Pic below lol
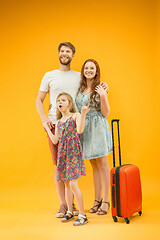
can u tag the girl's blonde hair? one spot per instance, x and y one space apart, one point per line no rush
72 107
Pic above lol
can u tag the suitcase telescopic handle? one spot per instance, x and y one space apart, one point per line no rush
119 147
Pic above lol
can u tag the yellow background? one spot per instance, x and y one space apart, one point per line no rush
123 36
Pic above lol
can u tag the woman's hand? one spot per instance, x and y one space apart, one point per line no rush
105 86
85 109
100 90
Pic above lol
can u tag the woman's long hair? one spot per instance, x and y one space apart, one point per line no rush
95 82
72 106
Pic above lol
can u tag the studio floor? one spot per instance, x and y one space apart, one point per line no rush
29 214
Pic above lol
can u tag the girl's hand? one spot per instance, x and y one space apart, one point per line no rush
100 90
49 124
45 125
85 109
105 86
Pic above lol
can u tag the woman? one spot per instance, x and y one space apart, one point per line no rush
96 139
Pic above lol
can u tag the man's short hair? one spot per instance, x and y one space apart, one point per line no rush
67 44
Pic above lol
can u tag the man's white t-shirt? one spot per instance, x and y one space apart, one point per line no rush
57 81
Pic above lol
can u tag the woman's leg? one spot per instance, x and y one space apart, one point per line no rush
104 171
97 185
78 195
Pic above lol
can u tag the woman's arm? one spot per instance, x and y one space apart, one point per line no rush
80 118
105 86
105 108
54 138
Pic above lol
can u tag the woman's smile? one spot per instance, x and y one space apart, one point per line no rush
90 70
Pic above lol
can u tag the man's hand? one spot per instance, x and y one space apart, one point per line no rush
50 106
105 86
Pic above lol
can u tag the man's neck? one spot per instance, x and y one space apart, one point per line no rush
64 68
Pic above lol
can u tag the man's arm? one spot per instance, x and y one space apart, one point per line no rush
39 105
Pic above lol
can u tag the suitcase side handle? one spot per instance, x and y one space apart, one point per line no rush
119 147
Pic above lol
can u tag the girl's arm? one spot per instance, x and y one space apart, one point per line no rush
105 108
54 138
80 118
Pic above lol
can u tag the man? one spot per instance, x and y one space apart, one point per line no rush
54 82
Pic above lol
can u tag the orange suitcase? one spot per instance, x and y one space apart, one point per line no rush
126 194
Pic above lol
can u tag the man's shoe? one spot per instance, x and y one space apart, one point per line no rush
62 211
75 211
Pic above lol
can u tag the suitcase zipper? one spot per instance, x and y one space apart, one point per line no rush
118 203
118 192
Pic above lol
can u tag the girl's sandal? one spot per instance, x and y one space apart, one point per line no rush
81 220
69 216
101 211
95 208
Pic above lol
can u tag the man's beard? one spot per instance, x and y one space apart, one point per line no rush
66 62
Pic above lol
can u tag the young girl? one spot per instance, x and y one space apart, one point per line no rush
70 163
96 138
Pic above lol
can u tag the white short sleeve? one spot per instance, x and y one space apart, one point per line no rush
44 87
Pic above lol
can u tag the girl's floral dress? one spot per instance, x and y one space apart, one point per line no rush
70 163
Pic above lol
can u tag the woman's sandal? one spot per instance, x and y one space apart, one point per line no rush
101 211
81 220
69 216
95 208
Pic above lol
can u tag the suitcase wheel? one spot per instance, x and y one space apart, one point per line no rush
115 219
127 220
140 213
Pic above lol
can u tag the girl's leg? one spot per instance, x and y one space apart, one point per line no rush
104 171
69 198
60 188
69 195
78 195
97 185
